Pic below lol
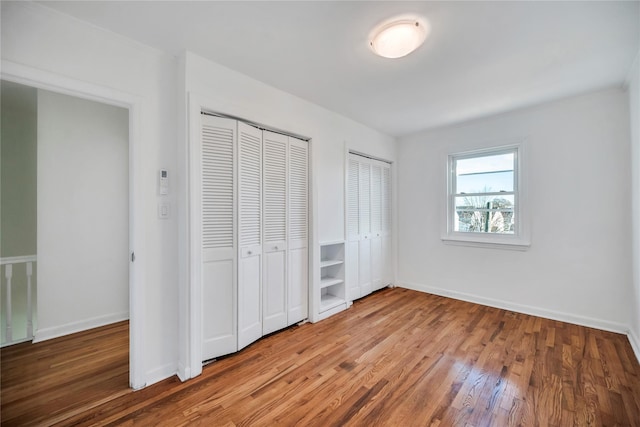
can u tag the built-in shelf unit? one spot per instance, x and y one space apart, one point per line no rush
332 285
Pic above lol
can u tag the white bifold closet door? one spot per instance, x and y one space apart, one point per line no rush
298 231
254 205
381 269
364 246
376 225
275 148
353 228
219 292
285 247
387 269
250 234
368 226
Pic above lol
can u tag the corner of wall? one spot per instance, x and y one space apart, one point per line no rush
183 373
633 71
161 373
632 84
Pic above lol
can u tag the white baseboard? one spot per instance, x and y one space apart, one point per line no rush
79 326
590 322
161 373
183 372
635 343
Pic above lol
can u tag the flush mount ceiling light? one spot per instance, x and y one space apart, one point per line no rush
399 37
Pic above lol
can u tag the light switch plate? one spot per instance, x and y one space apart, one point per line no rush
164 210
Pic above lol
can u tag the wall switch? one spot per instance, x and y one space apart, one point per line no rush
164 210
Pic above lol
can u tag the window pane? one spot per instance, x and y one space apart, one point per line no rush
487 174
497 222
485 214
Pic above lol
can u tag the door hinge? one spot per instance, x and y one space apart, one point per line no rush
133 256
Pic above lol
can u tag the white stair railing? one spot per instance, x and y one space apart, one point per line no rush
9 264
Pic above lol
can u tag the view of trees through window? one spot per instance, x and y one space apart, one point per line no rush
484 193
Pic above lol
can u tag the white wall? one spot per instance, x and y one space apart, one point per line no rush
634 110
37 37
229 92
83 214
238 95
578 267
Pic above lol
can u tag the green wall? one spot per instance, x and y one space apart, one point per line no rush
18 169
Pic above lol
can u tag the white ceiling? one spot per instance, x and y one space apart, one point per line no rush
481 58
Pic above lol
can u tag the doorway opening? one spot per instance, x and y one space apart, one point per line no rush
124 109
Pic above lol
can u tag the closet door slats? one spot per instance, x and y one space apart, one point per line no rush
365 197
217 187
386 199
376 198
353 213
298 190
250 186
275 188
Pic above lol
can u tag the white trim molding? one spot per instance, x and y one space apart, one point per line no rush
191 365
18 259
82 325
22 74
163 372
590 322
635 343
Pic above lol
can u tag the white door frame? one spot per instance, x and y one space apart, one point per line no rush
190 364
40 79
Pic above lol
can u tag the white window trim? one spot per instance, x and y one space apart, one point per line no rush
520 240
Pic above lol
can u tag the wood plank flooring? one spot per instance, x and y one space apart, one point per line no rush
396 358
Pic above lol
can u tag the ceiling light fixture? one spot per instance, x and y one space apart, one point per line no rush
398 38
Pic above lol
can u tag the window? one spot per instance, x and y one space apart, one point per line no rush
484 198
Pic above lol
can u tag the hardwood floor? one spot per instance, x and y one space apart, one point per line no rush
50 381
396 358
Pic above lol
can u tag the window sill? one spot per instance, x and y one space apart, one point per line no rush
490 242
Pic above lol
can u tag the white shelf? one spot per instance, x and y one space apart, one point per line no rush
332 279
330 262
329 301
325 282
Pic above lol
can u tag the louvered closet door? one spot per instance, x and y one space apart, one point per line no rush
250 234
353 227
387 270
364 251
376 224
298 231
274 187
219 299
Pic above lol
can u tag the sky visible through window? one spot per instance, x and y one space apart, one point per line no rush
485 174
